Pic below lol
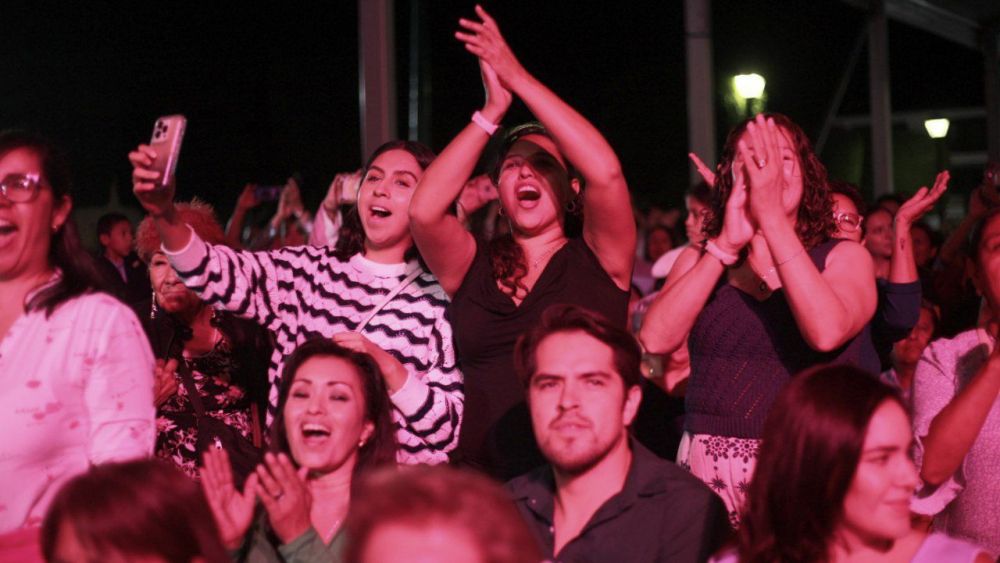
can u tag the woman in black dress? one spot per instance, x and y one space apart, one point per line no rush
499 288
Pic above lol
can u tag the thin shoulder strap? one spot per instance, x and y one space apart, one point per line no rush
389 297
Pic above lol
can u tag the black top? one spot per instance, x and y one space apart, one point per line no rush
897 313
496 433
135 290
662 513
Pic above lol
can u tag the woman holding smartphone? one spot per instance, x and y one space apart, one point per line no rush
499 288
369 293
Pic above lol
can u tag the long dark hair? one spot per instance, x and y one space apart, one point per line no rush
351 237
506 256
815 223
135 508
380 449
79 275
809 453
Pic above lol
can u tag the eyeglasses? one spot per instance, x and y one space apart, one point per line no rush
848 222
19 188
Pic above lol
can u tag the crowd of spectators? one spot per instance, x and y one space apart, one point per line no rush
490 354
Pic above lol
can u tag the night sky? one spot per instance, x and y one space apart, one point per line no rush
268 91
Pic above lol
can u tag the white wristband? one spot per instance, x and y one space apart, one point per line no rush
726 258
484 123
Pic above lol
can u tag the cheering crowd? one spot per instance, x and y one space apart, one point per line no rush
446 363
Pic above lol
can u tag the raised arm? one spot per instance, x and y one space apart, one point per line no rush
157 200
244 203
693 278
609 228
832 306
443 241
955 428
244 283
903 267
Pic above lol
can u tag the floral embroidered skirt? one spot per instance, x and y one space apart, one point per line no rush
723 463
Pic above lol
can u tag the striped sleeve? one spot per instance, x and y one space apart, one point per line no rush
248 284
431 402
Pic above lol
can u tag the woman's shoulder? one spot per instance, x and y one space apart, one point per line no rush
942 548
95 303
948 350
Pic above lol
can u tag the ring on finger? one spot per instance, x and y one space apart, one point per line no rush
761 162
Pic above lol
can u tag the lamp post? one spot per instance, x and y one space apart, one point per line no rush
937 129
749 87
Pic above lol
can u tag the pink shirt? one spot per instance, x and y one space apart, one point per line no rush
76 389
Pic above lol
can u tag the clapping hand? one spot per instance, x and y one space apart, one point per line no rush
706 173
921 202
248 198
764 168
737 229
164 380
484 40
232 510
285 495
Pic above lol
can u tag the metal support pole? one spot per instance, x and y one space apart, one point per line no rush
881 110
377 84
838 95
700 93
419 111
991 78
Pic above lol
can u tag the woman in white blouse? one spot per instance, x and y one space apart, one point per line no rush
76 372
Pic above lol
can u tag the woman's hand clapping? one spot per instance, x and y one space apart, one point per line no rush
764 168
737 229
164 380
233 511
920 203
285 495
484 40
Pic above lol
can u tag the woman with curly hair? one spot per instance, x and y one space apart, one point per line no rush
210 364
500 288
767 295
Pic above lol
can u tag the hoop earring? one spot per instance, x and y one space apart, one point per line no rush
501 212
572 206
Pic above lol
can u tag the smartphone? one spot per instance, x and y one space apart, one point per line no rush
168 133
267 193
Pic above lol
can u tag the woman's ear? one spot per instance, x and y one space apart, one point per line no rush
575 185
366 433
60 212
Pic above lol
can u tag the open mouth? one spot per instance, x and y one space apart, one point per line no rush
6 228
528 193
313 433
379 212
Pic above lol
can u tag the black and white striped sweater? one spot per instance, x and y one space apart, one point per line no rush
304 292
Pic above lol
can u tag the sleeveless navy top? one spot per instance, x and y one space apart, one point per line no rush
743 351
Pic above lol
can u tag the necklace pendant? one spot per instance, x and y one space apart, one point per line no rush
763 286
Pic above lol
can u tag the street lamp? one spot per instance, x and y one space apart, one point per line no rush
937 128
749 86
